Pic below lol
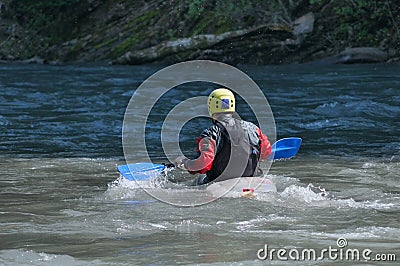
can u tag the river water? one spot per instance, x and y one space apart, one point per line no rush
62 202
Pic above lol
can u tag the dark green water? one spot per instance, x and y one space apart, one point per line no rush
60 142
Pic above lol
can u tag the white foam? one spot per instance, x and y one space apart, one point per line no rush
28 257
367 232
297 195
302 194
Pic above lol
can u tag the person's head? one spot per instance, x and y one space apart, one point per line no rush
221 101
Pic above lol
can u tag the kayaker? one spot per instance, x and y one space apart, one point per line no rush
214 159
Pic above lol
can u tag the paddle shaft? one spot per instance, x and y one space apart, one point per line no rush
282 149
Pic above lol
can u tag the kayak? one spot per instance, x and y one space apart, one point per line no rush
145 172
247 187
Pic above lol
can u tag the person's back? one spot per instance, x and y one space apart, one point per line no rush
231 147
237 148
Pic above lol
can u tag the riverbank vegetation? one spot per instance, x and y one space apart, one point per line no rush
260 32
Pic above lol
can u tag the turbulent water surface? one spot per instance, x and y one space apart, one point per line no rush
63 203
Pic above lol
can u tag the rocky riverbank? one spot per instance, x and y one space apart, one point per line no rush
247 32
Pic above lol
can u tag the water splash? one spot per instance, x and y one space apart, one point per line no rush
318 190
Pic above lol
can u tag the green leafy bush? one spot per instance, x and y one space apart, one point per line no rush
364 22
56 17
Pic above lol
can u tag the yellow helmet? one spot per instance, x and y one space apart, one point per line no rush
221 101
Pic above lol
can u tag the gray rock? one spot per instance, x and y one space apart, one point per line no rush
304 24
195 44
361 55
34 60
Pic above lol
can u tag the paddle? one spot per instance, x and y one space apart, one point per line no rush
286 148
282 149
141 171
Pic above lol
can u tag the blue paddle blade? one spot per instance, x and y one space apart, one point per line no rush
286 148
140 171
